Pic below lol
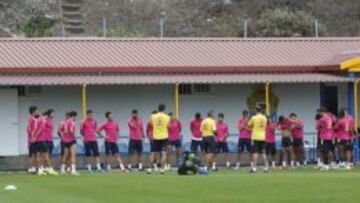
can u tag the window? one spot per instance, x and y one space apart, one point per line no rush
29 91
195 89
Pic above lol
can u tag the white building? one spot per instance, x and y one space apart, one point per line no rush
223 75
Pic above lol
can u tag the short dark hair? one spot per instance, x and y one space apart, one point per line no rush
198 115
323 110
107 114
342 113
161 107
134 111
73 113
293 115
36 115
281 119
258 109
154 112
210 114
32 109
318 116
170 113
89 112
49 112
221 115
245 112
67 114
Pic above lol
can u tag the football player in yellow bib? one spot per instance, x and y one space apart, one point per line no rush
258 124
160 123
208 131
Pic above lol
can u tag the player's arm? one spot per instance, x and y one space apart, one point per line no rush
99 130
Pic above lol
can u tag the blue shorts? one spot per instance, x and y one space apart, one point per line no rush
209 145
32 149
175 143
245 144
68 145
41 147
159 145
222 147
50 146
135 146
258 146
91 149
196 145
298 143
111 148
286 142
346 144
270 149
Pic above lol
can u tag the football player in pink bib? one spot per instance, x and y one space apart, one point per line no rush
271 141
111 128
344 129
325 126
31 142
222 133
88 130
175 128
297 126
69 142
136 135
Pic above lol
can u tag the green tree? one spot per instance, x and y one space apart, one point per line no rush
37 25
285 23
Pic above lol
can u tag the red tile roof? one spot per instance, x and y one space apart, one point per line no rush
174 55
117 79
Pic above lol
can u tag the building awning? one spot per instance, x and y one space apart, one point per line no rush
119 79
174 55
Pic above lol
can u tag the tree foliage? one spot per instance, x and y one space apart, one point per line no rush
37 25
285 23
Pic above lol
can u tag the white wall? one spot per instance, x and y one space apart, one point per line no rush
229 99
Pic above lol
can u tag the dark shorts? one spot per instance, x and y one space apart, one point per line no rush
68 145
245 145
270 149
298 143
41 147
135 146
175 143
50 146
159 145
258 146
32 149
209 145
346 144
222 147
326 146
286 142
91 149
196 145
111 148
318 144
62 148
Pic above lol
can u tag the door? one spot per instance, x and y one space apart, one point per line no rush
9 138
331 99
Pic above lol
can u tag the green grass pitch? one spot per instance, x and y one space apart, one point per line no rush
225 186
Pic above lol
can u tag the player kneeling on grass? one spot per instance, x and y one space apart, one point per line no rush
136 134
190 166
344 129
208 130
258 124
42 146
88 131
270 141
287 151
160 123
222 133
174 141
112 130
69 140
297 126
